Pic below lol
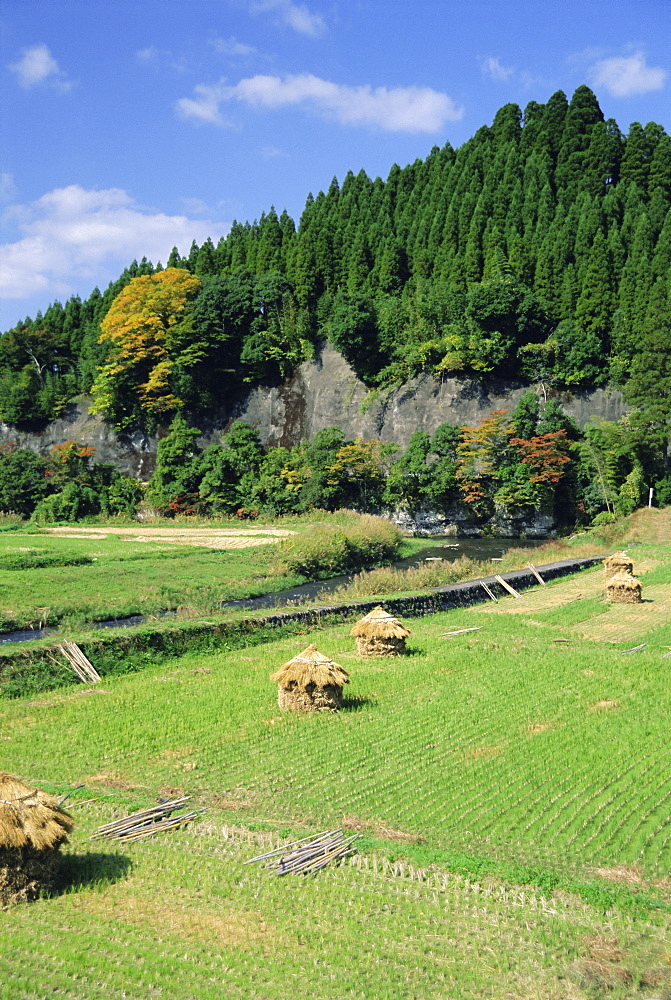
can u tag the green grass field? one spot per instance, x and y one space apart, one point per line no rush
49 579
126 578
512 786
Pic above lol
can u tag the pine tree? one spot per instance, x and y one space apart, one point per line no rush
594 309
602 158
551 128
660 167
582 116
651 367
661 261
206 260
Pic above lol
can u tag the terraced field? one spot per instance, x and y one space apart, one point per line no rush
512 786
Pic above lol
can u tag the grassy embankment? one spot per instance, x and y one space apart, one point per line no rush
512 785
387 580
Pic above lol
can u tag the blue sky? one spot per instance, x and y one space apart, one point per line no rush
129 126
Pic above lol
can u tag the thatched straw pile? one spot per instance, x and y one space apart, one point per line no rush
32 829
619 562
310 682
624 588
380 634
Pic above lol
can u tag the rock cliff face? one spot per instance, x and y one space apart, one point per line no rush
324 392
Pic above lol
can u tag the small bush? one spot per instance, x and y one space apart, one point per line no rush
387 580
10 521
330 551
71 504
605 517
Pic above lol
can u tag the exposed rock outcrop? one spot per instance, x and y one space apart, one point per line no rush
458 524
326 392
322 393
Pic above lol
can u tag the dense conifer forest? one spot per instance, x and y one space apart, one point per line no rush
540 250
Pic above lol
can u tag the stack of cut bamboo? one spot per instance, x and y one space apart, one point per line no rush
78 663
147 822
309 855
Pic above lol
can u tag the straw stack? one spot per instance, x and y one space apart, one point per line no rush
623 588
618 562
380 634
32 829
310 682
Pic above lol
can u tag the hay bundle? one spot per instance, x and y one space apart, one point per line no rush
310 682
32 829
624 588
618 562
380 634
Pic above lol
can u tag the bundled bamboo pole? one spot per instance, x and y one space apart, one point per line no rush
537 574
309 855
78 663
147 822
283 850
489 591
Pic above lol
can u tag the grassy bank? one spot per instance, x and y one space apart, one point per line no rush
387 580
511 785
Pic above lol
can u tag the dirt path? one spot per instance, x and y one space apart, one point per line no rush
211 538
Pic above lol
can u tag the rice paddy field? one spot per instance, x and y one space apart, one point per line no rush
77 574
80 577
511 785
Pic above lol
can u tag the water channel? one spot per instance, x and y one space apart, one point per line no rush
446 548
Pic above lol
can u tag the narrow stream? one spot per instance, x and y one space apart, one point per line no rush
446 548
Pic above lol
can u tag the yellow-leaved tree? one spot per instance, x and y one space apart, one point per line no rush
147 326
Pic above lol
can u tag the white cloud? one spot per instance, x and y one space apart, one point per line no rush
295 15
157 58
492 66
73 238
195 206
37 66
150 55
625 76
396 109
232 47
204 107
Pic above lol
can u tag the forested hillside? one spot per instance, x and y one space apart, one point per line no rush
539 249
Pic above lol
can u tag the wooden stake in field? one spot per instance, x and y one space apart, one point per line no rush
78 663
310 682
489 591
32 829
380 634
537 574
506 586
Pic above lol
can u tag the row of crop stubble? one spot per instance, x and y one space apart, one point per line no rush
501 743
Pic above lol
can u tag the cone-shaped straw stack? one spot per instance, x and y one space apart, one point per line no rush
32 829
623 588
380 634
310 682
